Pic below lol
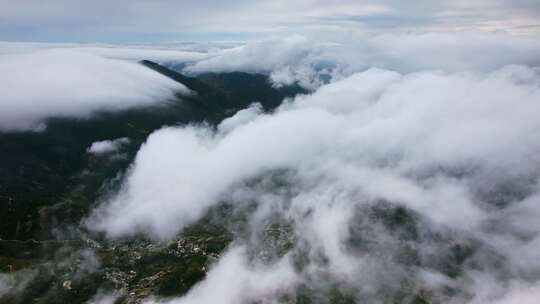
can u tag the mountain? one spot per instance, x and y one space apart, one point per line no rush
49 182
41 170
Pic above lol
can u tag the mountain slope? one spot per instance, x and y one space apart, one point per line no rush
41 169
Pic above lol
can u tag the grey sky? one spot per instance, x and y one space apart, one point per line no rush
168 20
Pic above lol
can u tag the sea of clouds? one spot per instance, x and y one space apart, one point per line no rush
440 129
453 143
311 63
44 80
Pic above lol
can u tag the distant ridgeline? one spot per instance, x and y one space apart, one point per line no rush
48 181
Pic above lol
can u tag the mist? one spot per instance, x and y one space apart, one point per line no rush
311 62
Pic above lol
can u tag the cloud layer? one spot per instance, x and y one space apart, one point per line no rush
456 150
137 20
243 283
311 63
107 146
69 83
437 132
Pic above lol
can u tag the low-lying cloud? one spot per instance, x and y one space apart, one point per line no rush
107 146
456 150
68 83
244 283
310 63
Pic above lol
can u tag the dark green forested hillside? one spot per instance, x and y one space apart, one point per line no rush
48 183
42 169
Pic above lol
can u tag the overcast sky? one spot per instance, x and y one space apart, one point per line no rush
139 21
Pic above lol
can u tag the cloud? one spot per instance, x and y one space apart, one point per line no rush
521 295
107 146
392 121
244 283
241 117
65 83
11 284
411 169
103 297
444 145
312 62
183 52
198 154
376 116
297 59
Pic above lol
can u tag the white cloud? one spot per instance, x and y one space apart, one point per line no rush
433 142
244 283
413 120
310 62
443 123
107 146
104 298
521 295
141 20
15 282
371 118
66 83
241 117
